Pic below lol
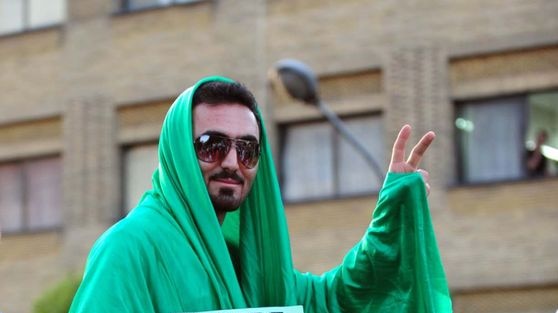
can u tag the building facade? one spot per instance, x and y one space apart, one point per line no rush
85 85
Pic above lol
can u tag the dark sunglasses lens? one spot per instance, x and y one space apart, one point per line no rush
211 148
248 153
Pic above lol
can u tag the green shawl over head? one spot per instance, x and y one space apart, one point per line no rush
259 226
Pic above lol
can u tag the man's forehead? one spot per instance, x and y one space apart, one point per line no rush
232 119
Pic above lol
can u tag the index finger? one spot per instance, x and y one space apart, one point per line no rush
398 151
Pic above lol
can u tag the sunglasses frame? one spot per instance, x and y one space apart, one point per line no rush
218 155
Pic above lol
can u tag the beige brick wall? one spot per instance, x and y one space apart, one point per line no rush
501 235
506 72
96 77
28 265
323 232
31 75
31 138
534 300
331 36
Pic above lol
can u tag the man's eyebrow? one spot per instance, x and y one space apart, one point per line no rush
215 133
218 133
249 138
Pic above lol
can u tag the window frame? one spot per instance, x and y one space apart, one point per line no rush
459 179
23 165
336 140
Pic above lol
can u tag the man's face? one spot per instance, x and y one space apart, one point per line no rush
228 181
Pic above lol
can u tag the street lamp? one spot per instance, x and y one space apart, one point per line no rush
301 84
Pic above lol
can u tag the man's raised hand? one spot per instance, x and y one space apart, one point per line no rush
398 164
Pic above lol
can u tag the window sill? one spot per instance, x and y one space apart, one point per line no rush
374 194
30 31
521 180
309 200
31 232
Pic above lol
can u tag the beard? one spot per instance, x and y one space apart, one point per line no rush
225 201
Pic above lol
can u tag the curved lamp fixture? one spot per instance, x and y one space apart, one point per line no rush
301 83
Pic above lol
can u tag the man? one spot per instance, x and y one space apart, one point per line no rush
536 162
212 233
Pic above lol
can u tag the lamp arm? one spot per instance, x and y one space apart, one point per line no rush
342 129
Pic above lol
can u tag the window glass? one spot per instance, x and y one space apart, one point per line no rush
44 190
11 197
131 5
20 15
319 163
46 12
139 164
140 4
355 174
490 136
308 162
11 16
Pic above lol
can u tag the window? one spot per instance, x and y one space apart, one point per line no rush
494 136
132 5
316 162
30 195
20 15
139 164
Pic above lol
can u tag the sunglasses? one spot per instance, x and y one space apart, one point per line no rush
212 148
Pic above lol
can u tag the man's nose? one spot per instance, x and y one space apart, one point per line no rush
230 161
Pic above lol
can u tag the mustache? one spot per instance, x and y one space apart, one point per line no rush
227 175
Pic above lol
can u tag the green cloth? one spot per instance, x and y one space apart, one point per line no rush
171 255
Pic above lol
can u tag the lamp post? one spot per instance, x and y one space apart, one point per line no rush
301 84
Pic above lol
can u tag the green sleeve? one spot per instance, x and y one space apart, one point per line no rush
395 267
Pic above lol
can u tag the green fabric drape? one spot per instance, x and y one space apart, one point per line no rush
171 255
395 267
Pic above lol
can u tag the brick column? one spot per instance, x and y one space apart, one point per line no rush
91 175
90 161
417 89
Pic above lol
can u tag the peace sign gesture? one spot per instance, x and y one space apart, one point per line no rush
398 164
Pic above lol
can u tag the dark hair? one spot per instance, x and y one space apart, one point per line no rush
224 92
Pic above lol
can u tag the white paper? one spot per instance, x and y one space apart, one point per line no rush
276 309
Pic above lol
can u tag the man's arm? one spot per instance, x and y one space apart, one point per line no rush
396 266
